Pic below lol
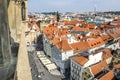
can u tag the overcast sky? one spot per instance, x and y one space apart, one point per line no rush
73 5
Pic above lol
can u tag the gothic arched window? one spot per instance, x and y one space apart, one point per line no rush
23 11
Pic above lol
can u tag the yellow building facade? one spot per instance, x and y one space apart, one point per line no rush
12 14
17 13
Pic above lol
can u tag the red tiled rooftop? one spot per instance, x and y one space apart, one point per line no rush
79 46
64 37
50 36
105 38
47 30
112 33
116 21
97 68
73 22
51 25
91 25
64 31
96 31
108 26
108 76
86 37
77 28
106 23
37 28
63 46
80 60
50 31
96 42
106 53
55 40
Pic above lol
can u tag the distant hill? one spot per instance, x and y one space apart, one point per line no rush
113 12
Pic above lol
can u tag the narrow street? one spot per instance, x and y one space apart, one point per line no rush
38 71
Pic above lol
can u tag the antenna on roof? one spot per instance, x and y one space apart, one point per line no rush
95 9
57 16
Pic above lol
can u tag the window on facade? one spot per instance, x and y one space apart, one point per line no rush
97 42
85 73
23 11
77 78
73 76
72 70
73 79
94 43
79 69
88 76
84 78
77 72
76 66
72 64
1 56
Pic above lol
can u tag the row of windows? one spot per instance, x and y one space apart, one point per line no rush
77 72
76 66
74 77
87 75
95 43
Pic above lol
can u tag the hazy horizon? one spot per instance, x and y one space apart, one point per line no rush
73 5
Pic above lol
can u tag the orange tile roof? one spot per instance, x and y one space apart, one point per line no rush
118 31
97 68
55 28
108 76
105 38
64 31
31 23
64 37
91 25
106 53
55 40
77 28
106 23
79 46
116 21
59 33
96 31
50 31
96 42
107 27
50 36
112 33
73 22
102 26
50 25
63 46
80 59
86 37
37 28
47 30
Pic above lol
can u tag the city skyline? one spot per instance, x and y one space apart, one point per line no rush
73 5
59 40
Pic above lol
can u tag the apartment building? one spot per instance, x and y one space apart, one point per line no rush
62 43
81 65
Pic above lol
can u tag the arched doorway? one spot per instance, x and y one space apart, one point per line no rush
23 11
